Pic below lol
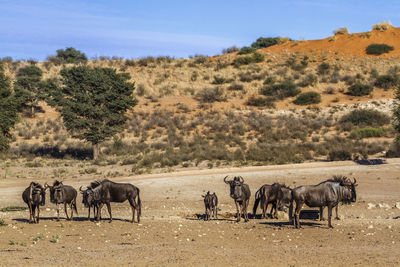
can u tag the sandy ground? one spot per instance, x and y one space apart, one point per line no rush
170 232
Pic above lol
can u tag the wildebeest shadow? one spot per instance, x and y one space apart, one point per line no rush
281 224
201 217
370 161
75 219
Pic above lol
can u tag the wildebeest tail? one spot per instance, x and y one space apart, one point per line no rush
257 198
74 205
139 202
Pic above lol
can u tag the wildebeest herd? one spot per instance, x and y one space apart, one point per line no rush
329 194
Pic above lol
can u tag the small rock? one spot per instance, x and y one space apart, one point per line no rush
397 205
371 205
370 226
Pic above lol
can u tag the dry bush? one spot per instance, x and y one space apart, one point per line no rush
383 26
342 30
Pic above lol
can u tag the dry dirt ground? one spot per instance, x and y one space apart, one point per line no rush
170 232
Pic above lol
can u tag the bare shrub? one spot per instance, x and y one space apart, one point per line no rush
342 30
383 26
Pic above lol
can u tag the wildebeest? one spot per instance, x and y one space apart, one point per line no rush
326 194
240 192
85 201
34 196
211 205
109 191
273 194
63 194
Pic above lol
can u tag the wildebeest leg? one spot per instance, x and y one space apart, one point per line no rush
265 207
246 215
88 217
65 209
321 214
275 206
215 212
330 216
336 209
299 205
30 211
38 212
72 210
99 211
58 211
134 206
109 210
262 208
237 211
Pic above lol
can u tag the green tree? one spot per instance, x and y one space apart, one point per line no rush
93 102
27 87
264 42
71 55
396 117
8 110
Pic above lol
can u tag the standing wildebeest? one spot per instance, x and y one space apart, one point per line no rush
269 194
211 205
34 196
109 191
240 192
328 193
63 194
85 201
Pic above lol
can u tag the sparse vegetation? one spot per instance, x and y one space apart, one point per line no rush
378 49
210 95
366 132
280 90
366 117
359 89
308 98
264 42
342 30
13 208
246 50
383 26
261 101
71 55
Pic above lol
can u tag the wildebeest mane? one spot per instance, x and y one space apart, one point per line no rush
336 179
57 183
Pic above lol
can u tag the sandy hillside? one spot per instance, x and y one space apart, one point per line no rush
353 44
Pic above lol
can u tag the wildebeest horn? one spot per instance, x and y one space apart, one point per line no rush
355 181
225 179
46 185
80 189
241 179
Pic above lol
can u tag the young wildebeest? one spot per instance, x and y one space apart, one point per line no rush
109 191
92 204
240 192
328 193
211 205
34 196
265 195
63 194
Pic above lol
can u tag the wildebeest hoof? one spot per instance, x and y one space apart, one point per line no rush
110 221
337 218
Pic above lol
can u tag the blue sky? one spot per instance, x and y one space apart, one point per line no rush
35 29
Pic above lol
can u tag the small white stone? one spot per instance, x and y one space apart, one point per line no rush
79 248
